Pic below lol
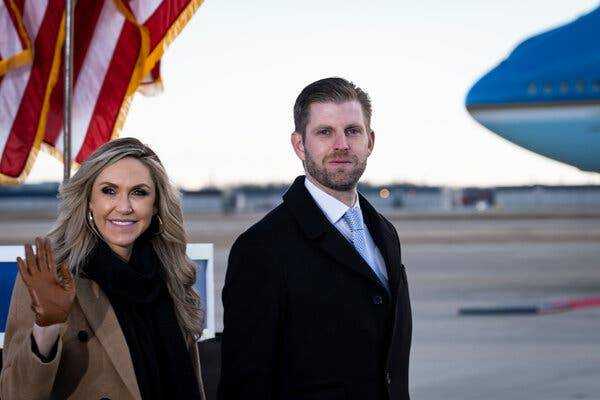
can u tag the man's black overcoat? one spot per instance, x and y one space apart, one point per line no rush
304 315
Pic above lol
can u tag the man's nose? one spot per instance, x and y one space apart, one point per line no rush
341 141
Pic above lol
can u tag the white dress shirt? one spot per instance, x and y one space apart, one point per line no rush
334 210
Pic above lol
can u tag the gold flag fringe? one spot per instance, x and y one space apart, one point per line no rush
146 61
41 129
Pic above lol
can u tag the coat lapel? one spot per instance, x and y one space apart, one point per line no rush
103 321
336 245
385 239
317 227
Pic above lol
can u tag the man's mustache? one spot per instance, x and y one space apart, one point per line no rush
341 155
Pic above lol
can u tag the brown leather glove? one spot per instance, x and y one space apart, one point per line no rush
52 290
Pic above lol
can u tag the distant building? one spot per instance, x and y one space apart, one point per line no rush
41 199
38 198
254 198
403 197
479 198
208 200
548 198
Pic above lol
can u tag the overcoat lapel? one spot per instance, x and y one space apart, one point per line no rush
102 319
336 245
317 227
385 240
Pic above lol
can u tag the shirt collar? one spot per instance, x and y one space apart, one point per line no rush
332 207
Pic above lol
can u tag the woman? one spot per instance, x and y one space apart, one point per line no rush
105 308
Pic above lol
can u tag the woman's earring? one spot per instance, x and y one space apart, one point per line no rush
91 225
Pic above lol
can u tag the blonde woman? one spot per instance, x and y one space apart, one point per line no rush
104 307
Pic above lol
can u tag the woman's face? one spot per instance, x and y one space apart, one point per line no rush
122 203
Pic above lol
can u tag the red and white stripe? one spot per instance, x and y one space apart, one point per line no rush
11 43
23 89
117 43
112 62
104 62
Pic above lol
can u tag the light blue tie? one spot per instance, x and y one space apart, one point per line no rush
353 218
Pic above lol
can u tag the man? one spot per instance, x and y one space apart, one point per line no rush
315 300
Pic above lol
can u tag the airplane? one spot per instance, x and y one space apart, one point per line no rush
545 96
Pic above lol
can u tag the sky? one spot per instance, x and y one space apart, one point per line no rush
233 74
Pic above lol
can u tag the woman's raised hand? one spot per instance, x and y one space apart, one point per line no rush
52 290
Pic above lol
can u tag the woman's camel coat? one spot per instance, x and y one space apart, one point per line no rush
92 360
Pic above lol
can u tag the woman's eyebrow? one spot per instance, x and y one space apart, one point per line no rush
138 185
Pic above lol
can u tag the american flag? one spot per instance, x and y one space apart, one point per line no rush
118 45
24 89
15 43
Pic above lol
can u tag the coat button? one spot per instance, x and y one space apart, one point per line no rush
377 299
83 336
388 378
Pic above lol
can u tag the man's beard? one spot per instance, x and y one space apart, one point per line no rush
338 180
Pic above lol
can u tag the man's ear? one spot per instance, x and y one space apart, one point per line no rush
371 135
298 145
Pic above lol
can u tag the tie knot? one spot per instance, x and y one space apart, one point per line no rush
354 219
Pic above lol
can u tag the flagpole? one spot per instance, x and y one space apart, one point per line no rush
68 98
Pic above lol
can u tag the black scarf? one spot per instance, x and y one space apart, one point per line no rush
144 309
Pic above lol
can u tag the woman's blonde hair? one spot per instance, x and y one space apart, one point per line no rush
73 237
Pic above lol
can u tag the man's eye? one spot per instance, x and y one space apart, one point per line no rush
352 131
108 190
323 131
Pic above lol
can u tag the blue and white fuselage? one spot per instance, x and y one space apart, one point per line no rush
545 96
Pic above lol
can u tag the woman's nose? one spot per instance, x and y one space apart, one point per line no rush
124 205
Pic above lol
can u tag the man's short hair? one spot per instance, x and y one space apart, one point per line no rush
336 90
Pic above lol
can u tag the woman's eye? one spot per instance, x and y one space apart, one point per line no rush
108 190
140 192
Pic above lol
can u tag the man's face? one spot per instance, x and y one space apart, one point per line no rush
336 145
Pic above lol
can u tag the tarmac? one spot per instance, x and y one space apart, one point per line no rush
471 261
554 356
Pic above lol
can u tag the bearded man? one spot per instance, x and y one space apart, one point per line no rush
316 301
